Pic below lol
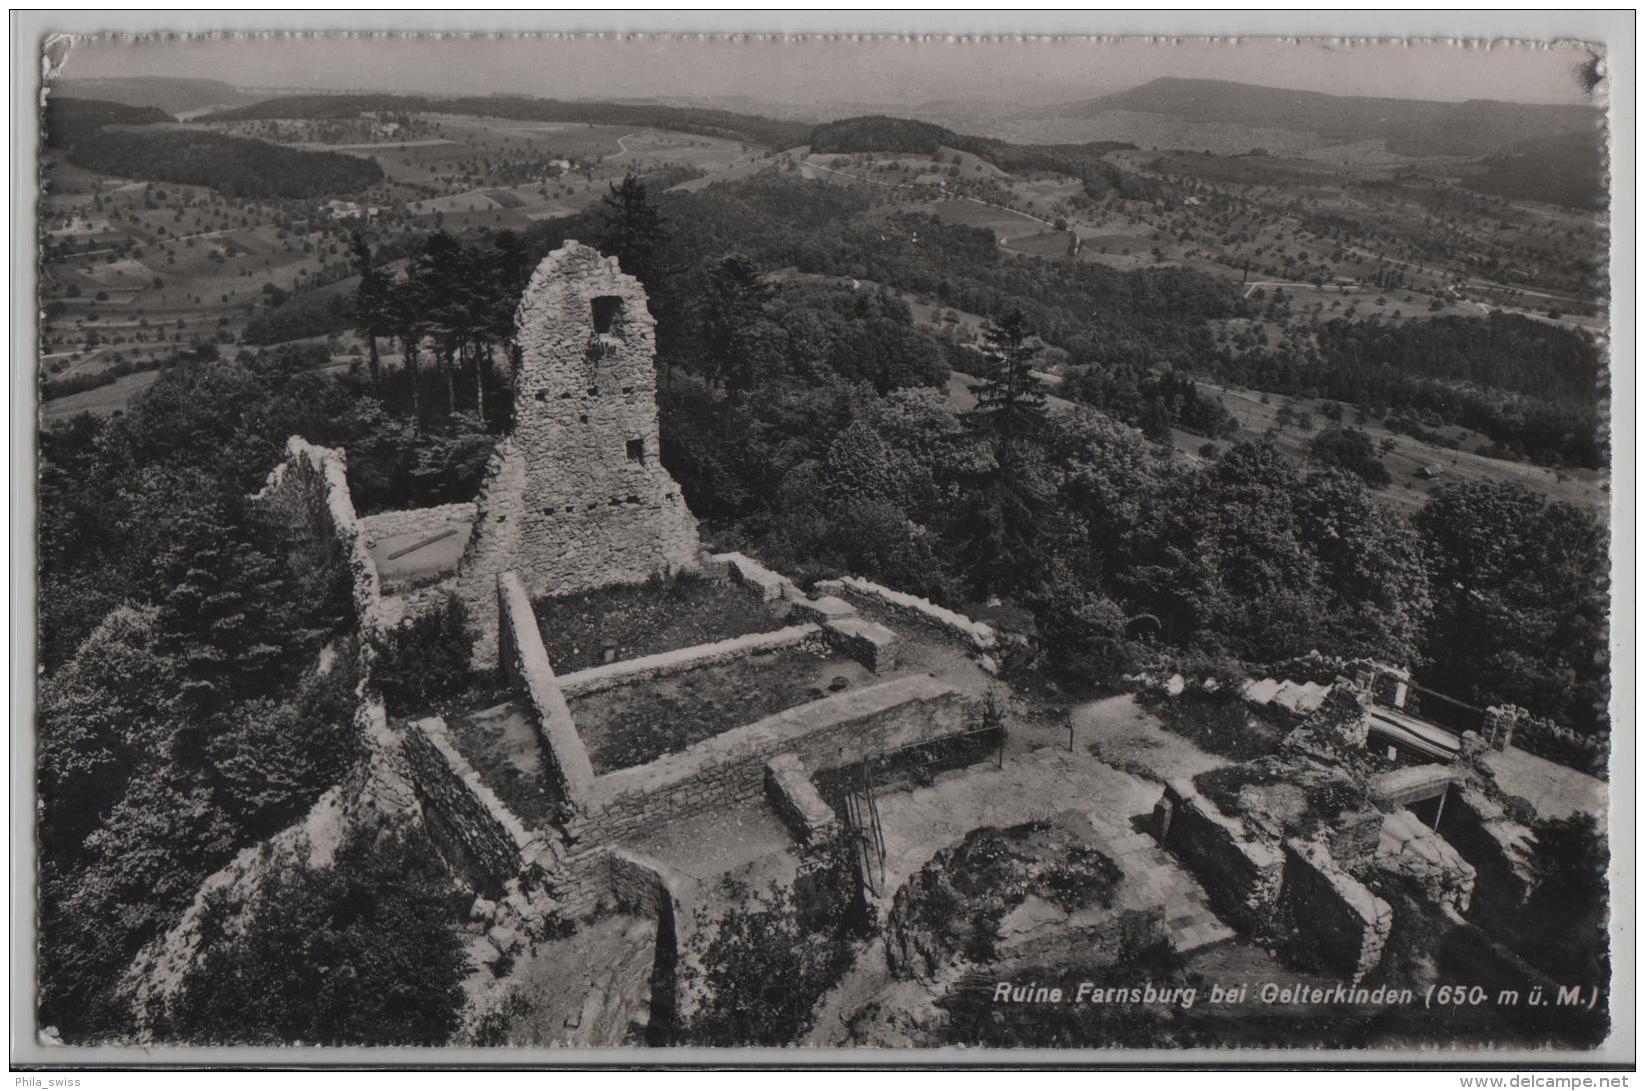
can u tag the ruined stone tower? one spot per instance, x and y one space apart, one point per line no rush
575 497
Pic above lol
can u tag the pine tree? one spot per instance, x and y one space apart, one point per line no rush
1011 399
371 303
737 297
634 230
1000 520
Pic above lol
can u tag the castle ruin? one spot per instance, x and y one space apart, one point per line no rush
576 497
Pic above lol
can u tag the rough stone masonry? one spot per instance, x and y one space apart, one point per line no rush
575 497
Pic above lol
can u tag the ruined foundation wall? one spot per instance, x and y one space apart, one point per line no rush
644 668
789 787
730 769
974 634
478 835
525 661
575 497
1334 914
1499 849
1242 877
1412 851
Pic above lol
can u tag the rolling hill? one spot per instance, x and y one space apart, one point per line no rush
1411 126
173 95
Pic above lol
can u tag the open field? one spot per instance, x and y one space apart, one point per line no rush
102 400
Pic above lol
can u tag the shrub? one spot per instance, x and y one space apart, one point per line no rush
424 661
365 950
775 954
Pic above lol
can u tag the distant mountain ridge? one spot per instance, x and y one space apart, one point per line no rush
174 95
1411 126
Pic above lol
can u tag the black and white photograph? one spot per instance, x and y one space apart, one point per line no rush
642 545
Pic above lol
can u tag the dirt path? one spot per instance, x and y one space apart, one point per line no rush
1122 733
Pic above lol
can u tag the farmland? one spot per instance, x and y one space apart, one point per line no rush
1309 231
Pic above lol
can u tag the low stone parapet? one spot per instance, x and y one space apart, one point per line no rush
730 768
977 635
629 671
746 571
823 609
475 831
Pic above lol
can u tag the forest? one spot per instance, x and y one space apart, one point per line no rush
184 714
1536 389
1082 161
703 122
87 132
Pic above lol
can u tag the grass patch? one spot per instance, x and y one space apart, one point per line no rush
1217 725
632 725
646 618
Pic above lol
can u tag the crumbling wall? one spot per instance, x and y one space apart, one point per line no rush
974 634
1344 924
478 835
764 583
310 489
644 668
525 661
1242 877
1412 851
868 642
632 804
789 787
576 497
1500 850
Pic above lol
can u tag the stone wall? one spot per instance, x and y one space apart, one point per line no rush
745 571
525 661
631 804
576 497
479 837
1500 850
1242 877
387 524
1344 924
310 490
789 787
868 642
1411 850
974 634
1509 725
629 671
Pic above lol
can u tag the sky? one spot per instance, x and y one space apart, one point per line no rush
797 71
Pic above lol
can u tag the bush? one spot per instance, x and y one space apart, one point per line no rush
424 661
363 951
1352 450
775 954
